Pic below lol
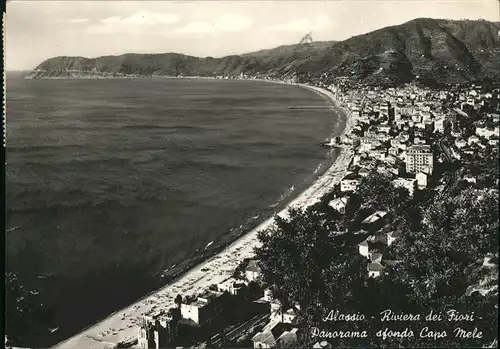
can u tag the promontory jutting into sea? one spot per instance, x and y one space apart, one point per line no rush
317 194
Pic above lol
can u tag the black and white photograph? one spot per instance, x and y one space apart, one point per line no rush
251 174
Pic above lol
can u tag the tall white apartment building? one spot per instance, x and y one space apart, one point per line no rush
419 158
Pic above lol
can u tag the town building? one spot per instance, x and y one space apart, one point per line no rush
407 183
375 257
349 182
280 335
450 118
473 140
487 133
391 237
339 204
204 308
456 131
158 331
375 217
439 125
375 269
275 311
419 158
393 151
364 248
378 154
289 315
470 179
321 345
421 180
460 143
384 128
268 295
231 286
363 172
418 140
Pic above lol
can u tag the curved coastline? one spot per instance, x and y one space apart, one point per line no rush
219 266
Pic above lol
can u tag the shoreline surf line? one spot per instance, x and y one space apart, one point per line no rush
193 280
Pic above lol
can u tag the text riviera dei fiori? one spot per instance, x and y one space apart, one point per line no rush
389 316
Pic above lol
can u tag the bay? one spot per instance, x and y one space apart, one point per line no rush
111 182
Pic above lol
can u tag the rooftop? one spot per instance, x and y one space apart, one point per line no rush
203 299
374 217
264 337
339 201
351 176
269 336
420 148
375 267
364 243
288 338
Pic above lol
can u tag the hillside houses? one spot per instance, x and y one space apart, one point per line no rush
375 269
373 249
277 335
419 158
157 331
279 331
392 127
421 180
350 182
374 220
396 130
232 286
339 204
487 133
409 184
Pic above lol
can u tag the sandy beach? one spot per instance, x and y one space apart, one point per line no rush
218 268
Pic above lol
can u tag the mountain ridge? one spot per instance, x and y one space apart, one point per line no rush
437 50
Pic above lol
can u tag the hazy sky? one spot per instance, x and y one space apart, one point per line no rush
37 30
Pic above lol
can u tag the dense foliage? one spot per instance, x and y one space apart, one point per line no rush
439 255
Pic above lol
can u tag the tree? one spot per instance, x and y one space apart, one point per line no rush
441 260
377 191
457 232
178 300
293 255
439 254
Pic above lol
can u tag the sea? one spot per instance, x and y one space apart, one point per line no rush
112 185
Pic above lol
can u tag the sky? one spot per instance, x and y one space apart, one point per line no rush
38 30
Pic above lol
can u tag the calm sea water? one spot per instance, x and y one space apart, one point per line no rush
110 182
